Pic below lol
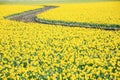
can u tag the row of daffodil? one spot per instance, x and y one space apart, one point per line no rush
31 51
97 13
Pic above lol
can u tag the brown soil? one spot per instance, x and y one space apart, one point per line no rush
29 16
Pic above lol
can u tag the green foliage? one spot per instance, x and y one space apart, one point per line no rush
80 24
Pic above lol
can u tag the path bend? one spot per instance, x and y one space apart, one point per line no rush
29 16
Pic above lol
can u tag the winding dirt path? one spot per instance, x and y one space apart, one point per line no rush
29 16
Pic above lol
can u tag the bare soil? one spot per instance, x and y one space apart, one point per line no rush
29 16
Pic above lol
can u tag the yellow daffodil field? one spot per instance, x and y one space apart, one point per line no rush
96 12
36 51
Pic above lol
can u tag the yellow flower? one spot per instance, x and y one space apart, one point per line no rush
31 49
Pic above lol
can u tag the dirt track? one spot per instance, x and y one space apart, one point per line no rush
29 16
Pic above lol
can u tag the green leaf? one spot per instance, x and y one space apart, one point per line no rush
59 70
25 64
10 79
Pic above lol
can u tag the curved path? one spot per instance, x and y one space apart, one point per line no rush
29 16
